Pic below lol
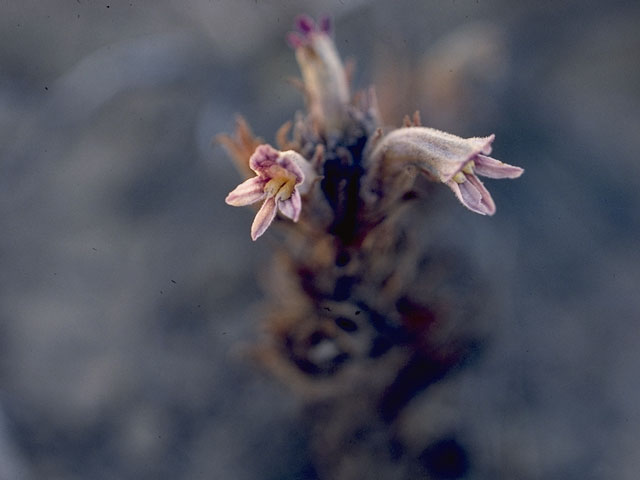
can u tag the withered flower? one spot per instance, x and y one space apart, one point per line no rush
279 182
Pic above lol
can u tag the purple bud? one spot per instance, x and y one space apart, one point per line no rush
305 24
325 24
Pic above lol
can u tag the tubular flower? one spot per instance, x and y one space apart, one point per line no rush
449 159
324 76
279 182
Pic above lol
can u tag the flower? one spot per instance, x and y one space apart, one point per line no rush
280 180
325 80
445 158
468 187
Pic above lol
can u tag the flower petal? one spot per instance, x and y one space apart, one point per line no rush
309 174
264 217
248 192
470 195
492 168
292 206
485 205
292 161
473 195
264 156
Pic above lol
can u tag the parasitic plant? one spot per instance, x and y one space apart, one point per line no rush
356 323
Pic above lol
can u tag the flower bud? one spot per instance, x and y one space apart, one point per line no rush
324 77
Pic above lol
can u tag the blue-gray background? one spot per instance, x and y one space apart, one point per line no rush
128 288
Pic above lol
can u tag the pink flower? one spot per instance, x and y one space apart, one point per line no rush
279 182
446 158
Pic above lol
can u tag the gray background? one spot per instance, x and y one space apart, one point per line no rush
128 289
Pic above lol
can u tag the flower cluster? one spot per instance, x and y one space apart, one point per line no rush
283 176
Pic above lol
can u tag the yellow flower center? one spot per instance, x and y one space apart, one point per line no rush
286 190
459 177
280 187
468 169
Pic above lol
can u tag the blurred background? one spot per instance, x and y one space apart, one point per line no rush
128 289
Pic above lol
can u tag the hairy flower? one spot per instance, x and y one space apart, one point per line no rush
324 77
279 182
445 158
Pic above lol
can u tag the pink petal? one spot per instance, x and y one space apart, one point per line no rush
286 160
292 206
485 206
263 219
492 168
473 195
264 156
248 192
